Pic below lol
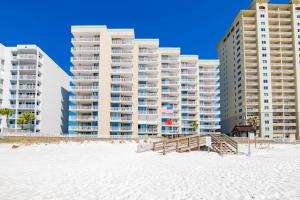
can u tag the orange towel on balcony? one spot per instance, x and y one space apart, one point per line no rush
168 122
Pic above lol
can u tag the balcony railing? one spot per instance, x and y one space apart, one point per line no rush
85 49
125 99
83 97
125 109
27 56
84 88
121 41
86 39
83 118
83 107
121 128
75 78
85 68
85 58
83 128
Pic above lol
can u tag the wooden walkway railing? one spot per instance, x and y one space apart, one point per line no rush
181 144
220 143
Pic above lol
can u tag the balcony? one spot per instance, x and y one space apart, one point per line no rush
148 68
148 103
122 42
121 89
121 51
81 68
86 39
83 118
26 56
24 77
84 49
142 94
121 80
121 60
147 60
121 109
147 51
83 108
83 98
83 128
170 132
121 99
165 74
27 107
85 78
169 59
122 71
119 118
170 67
84 88
23 97
148 112
85 58
148 131
121 128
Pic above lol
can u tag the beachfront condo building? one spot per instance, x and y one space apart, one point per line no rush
260 69
127 86
31 82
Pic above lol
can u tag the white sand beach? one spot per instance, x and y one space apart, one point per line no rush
99 170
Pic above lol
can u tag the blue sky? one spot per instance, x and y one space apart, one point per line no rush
194 25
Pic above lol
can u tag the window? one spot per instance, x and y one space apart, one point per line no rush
265 81
266 107
266 87
263 42
266 101
265 61
263 29
264 55
267 122
263 23
264 48
263 15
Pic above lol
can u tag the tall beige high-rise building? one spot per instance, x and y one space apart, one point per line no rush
260 69
128 86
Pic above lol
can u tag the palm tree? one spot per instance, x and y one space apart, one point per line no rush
253 122
27 118
8 113
21 122
195 126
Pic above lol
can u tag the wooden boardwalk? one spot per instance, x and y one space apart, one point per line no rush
181 144
220 143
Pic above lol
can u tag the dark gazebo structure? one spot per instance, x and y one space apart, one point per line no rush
242 130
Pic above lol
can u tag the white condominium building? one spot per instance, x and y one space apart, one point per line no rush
209 94
31 82
260 69
127 86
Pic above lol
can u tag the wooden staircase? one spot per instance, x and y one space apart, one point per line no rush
223 144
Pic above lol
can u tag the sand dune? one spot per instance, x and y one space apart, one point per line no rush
103 171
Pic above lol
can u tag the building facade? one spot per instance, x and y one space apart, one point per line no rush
127 86
259 69
31 82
